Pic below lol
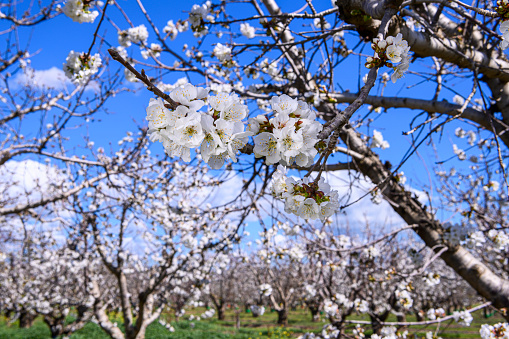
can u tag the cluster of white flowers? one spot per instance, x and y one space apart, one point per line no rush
257 310
270 68
378 140
247 30
497 331
137 35
388 52
459 152
321 23
361 306
404 299
223 53
329 331
458 100
401 178
491 186
342 300
294 253
219 133
371 252
173 29
330 308
265 290
79 11
431 279
309 291
461 133
305 198
155 50
79 67
462 317
358 331
290 136
197 18
475 239
499 238
390 332
433 314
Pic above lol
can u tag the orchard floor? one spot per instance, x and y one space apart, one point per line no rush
261 327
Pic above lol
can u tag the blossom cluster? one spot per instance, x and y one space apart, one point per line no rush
247 30
388 52
290 136
305 198
432 279
173 29
219 133
265 290
137 35
224 54
390 332
79 11
378 141
403 298
497 331
433 314
79 67
462 317
197 18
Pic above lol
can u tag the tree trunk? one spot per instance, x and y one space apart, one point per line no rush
221 312
282 317
237 318
26 319
56 325
315 313
476 273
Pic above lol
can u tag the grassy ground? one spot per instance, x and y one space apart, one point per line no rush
251 328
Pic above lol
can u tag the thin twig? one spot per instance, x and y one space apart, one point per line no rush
143 77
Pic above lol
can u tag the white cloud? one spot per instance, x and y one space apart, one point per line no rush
27 181
48 78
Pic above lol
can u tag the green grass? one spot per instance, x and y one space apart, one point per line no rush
251 328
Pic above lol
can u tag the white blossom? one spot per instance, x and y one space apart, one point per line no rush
222 52
79 11
247 30
79 67
137 35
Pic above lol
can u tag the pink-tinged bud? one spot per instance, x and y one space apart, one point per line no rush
369 59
